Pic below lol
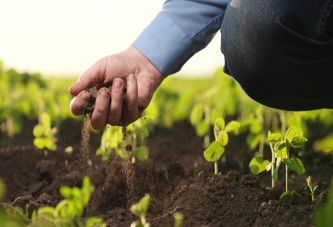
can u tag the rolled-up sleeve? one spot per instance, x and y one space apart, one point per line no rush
180 29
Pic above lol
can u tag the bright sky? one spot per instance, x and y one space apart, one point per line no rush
65 37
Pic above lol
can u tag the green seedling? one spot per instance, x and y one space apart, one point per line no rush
280 154
125 142
45 135
178 219
310 188
112 140
140 210
214 152
136 134
69 211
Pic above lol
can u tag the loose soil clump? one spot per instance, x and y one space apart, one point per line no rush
177 178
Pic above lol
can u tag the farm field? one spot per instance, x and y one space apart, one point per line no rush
175 173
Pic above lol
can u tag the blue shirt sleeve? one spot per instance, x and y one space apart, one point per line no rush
180 29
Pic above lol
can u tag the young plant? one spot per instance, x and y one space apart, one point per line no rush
112 140
45 135
310 188
216 149
178 219
140 210
280 153
125 142
70 210
136 134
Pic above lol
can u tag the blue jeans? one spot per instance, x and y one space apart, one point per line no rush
281 51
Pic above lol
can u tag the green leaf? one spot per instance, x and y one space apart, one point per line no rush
40 142
223 138
280 145
46 212
252 140
232 126
197 114
258 165
38 130
295 164
141 153
274 137
255 127
297 141
276 170
220 123
292 132
95 222
214 151
202 128
140 208
46 120
282 153
325 145
66 192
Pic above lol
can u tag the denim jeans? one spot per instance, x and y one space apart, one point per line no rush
281 51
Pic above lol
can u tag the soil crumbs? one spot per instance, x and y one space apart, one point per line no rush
177 178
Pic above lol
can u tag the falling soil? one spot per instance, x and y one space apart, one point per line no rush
85 142
176 176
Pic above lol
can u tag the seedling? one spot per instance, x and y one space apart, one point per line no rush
45 135
178 219
140 210
214 152
125 142
136 133
280 153
310 188
70 210
112 140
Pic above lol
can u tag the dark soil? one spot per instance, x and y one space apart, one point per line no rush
176 176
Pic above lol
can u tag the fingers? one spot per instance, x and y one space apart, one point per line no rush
100 114
131 99
78 102
116 107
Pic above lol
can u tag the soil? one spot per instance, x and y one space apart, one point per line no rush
176 176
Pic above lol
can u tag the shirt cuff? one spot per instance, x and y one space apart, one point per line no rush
165 45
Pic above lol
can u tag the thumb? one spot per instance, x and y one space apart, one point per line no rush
88 79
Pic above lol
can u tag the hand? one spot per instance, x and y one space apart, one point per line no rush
143 79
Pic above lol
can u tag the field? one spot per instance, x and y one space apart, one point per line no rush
176 129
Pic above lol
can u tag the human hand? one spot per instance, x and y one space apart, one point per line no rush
142 80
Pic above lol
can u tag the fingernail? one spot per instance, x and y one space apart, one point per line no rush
85 97
104 93
117 84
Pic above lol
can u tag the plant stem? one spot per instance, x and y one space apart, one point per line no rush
216 168
261 145
273 164
283 122
207 121
287 156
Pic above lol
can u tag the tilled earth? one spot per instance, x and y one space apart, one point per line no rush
176 176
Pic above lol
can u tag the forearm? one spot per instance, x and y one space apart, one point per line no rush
180 29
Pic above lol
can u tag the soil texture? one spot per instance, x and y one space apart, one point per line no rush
176 176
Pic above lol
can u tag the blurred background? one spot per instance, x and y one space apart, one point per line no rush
65 37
